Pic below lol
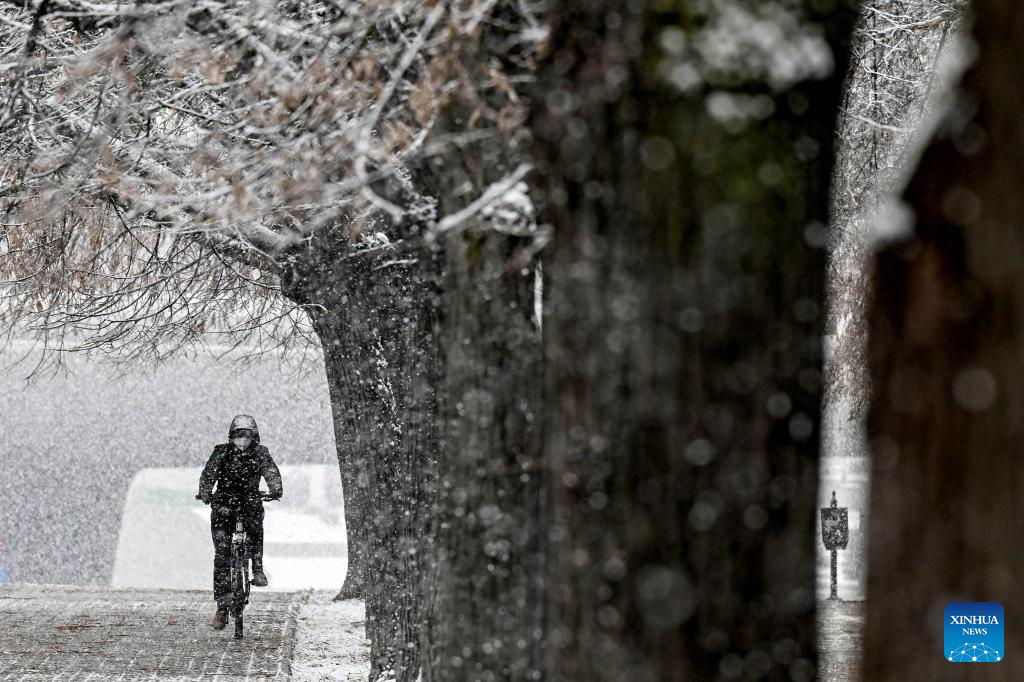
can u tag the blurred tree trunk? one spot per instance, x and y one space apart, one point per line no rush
374 314
685 343
946 424
485 581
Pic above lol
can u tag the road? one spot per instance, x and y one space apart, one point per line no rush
94 633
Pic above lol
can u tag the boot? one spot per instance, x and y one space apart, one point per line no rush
259 578
220 619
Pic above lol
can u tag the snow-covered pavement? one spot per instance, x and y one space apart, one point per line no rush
78 633
331 643
94 633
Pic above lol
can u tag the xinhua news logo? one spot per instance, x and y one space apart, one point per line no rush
974 632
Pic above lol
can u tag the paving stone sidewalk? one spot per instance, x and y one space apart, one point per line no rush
94 633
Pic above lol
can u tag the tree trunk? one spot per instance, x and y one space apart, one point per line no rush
485 582
946 424
375 319
486 578
349 413
684 343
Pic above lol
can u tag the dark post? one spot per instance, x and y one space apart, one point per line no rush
834 593
835 533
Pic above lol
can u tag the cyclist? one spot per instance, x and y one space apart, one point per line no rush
235 468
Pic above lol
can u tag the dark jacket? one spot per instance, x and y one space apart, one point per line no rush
237 473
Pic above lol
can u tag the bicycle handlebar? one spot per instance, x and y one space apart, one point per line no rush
265 496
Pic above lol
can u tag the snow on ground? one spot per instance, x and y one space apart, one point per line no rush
73 633
331 642
68 632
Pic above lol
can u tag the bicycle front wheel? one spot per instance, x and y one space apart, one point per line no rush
239 590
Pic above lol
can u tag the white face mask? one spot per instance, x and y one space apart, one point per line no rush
242 442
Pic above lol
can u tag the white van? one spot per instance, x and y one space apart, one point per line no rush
165 542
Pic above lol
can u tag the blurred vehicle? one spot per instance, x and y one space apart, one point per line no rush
164 539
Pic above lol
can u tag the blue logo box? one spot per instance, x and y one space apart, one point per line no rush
973 632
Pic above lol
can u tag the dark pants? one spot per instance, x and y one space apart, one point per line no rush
222 525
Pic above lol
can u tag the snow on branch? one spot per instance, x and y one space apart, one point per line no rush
493 193
162 164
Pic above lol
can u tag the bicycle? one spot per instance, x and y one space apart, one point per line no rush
240 555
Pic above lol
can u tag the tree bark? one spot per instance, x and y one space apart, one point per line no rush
685 333
485 581
946 424
486 576
375 318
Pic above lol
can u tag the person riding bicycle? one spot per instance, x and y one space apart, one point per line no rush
235 468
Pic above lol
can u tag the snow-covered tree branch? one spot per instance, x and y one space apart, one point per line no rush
194 149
